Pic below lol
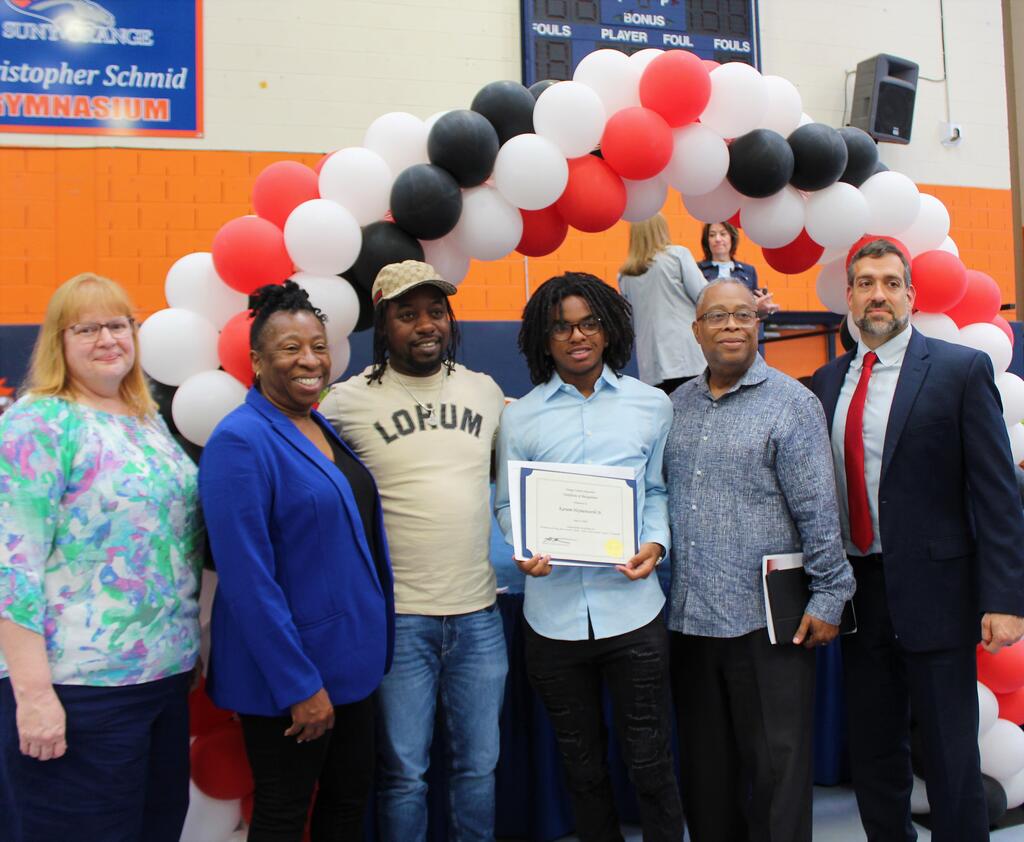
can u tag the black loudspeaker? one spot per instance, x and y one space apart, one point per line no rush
883 98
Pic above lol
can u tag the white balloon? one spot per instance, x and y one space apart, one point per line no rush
831 286
193 284
644 198
988 709
174 344
990 339
894 201
837 216
611 75
450 263
399 138
738 101
929 229
1014 789
833 254
1002 750
949 245
776 220
335 298
721 203
489 227
209 819
202 401
700 160
806 119
359 180
1016 434
1011 392
936 326
322 237
571 116
341 356
851 326
783 107
530 171
642 58
919 797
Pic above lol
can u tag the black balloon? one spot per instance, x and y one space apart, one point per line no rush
862 155
760 163
537 88
995 798
425 201
465 144
880 167
819 156
508 106
365 319
383 243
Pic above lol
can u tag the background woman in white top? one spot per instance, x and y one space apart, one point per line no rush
661 282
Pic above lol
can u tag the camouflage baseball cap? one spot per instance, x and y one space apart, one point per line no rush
396 279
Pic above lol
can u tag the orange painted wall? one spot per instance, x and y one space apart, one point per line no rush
130 213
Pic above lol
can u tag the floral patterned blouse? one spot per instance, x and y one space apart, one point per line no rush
100 541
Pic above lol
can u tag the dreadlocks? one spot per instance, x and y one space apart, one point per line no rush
380 341
611 308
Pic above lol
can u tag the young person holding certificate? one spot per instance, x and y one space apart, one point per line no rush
585 624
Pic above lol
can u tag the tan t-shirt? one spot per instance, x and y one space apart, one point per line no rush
434 482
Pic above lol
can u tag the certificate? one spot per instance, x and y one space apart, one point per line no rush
581 515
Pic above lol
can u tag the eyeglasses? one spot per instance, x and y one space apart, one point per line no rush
90 331
562 331
719 318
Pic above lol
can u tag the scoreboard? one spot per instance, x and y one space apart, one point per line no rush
557 34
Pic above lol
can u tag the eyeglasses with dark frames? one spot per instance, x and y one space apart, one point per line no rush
562 331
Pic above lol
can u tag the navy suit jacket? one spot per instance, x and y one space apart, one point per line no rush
740 271
951 524
301 603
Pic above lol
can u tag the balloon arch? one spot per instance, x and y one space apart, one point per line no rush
513 173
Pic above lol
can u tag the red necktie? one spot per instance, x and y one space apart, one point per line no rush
861 531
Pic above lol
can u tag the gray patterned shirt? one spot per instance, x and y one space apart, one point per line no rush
749 474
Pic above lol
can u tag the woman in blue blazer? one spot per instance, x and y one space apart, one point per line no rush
303 616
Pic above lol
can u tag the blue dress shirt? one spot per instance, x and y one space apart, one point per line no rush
881 388
623 423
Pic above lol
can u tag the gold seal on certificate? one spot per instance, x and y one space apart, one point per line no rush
581 515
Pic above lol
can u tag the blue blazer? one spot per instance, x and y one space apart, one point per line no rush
301 603
740 271
951 524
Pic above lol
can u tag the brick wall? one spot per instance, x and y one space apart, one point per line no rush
130 213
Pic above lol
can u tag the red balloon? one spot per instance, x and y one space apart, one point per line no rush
980 302
734 220
595 196
247 805
677 85
543 231
1011 706
249 252
940 279
1004 671
281 188
220 767
1004 326
203 714
319 165
233 348
795 257
867 238
637 143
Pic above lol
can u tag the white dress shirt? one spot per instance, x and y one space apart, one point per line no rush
881 388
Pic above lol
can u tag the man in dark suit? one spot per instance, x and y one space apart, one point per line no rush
935 533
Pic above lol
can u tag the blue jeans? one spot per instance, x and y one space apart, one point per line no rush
463 661
125 774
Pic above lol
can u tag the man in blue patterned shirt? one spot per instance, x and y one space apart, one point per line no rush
749 474
587 625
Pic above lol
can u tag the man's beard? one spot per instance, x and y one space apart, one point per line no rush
876 328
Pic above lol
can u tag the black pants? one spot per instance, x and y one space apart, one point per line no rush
567 674
745 737
885 684
285 773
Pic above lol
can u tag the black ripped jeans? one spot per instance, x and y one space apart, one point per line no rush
567 674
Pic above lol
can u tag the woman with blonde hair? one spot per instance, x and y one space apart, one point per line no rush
100 555
661 282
